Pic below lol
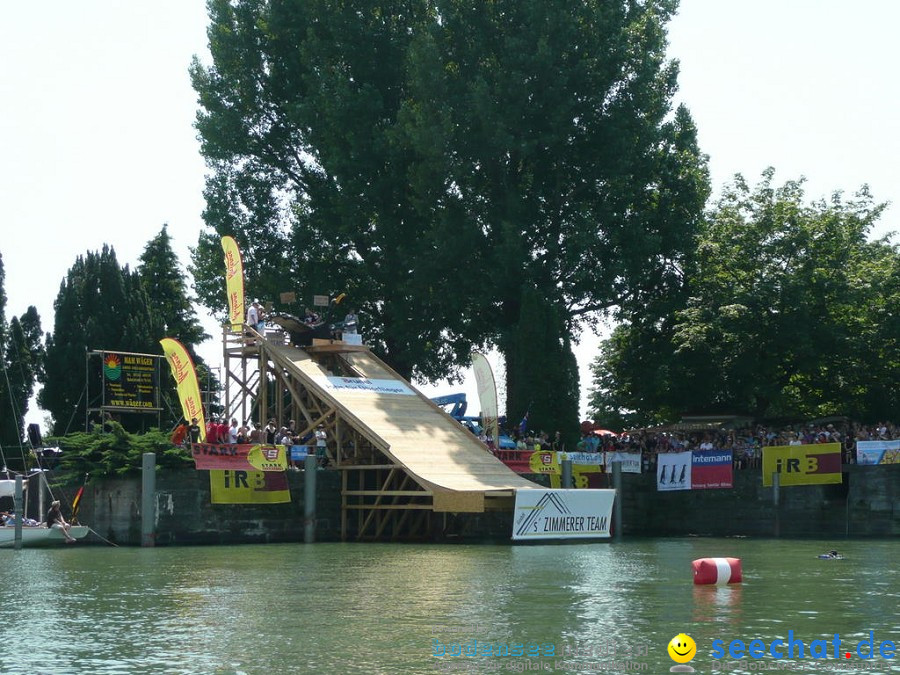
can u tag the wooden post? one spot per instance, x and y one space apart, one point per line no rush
18 501
310 466
148 499
776 500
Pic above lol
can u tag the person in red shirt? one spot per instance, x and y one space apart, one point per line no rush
180 433
212 431
224 431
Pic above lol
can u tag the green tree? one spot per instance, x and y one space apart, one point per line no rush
170 302
173 309
785 312
23 365
100 306
439 161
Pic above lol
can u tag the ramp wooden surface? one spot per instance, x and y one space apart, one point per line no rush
436 450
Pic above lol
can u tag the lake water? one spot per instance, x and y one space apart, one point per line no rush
378 608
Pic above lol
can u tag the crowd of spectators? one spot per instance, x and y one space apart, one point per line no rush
745 444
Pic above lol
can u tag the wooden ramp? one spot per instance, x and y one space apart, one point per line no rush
438 453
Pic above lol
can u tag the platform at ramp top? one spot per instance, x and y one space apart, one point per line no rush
433 448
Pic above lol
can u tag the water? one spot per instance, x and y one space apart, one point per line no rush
377 608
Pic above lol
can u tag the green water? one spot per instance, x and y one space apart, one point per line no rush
359 608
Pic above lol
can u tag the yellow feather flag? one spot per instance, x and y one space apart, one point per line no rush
234 282
185 375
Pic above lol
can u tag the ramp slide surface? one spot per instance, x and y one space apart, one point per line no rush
433 447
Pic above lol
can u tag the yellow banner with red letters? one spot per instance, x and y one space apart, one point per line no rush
815 464
185 375
234 282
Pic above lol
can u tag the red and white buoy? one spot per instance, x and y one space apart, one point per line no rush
717 571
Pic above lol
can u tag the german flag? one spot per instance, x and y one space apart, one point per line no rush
76 502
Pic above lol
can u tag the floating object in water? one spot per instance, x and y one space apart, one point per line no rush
717 571
833 555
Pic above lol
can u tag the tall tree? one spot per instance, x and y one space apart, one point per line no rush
100 306
23 365
787 311
441 161
161 276
173 308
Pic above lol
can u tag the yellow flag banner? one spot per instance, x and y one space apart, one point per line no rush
185 375
234 282
248 487
802 464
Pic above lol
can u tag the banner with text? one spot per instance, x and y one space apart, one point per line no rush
631 461
248 487
234 282
802 464
186 383
878 452
562 514
587 467
711 469
240 457
130 381
363 385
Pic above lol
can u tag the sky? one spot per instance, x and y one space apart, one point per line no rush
97 143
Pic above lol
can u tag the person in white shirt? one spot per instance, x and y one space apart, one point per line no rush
321 442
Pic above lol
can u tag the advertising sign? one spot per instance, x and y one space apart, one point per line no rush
878 452
130 381
802 464
240 457
711 469
562 514
248 487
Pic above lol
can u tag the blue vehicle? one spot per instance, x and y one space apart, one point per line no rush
473 424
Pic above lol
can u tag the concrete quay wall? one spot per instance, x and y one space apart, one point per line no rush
867 504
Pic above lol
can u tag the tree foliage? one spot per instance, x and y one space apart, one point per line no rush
170 301
100 306
112 453
22 351
786 311
443 161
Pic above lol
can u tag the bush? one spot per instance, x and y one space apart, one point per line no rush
114 453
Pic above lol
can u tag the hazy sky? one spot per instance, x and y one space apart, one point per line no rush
97 144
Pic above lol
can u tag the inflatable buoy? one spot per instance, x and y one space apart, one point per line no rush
717 571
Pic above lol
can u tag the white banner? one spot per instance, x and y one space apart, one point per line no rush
562 514
595 458
631 461
363 385
878 452
673 471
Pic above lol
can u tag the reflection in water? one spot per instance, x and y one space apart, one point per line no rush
344 608
718 603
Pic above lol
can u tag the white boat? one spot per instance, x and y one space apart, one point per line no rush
40 535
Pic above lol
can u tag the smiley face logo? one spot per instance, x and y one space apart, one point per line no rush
682 648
